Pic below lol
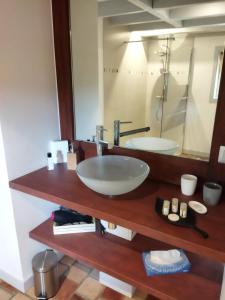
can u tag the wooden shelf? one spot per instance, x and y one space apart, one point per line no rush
123 260
134 210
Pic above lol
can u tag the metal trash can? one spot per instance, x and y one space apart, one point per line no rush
46 275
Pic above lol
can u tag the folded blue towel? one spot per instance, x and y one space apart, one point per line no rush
152 268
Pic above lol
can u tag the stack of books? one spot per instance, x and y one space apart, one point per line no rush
66 221
77 227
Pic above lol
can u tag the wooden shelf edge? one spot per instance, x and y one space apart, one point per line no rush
104 253
150 232
135 210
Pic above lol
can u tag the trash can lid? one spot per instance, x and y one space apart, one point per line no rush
44 261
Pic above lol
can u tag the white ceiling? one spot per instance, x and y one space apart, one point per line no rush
163 14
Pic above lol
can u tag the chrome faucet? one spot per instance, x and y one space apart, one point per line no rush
117 131
118 134
100 143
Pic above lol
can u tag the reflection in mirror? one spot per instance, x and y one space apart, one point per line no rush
219 54
166 82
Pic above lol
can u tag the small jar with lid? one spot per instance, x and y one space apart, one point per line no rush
175 205
183 210
166 207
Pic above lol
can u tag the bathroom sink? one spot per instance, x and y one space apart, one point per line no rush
153 144
112 174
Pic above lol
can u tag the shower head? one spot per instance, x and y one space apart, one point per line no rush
163 51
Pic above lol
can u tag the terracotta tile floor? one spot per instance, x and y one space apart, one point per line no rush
80 283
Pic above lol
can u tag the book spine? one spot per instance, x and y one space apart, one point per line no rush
73 229
74 226
57 232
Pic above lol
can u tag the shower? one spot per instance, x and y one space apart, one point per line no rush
162 51
164 54
174 75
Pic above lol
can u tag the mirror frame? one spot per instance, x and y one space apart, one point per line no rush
206 170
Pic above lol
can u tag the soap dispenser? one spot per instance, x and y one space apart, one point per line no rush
71 158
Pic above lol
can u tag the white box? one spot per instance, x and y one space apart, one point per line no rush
119 231
116 284
59 150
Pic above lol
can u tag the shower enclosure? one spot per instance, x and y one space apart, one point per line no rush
169 68
167 83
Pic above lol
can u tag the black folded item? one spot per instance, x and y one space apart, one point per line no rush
64 216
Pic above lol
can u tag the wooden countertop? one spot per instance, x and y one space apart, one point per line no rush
134 210
123 260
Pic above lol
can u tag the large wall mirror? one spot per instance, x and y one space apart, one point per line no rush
163 83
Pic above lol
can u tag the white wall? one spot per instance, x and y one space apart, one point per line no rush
154 106
10 265
200 110
84 38
125 66
28 120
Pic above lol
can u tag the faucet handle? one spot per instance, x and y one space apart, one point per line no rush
99 132
101 128
126 122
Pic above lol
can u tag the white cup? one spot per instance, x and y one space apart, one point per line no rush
188 184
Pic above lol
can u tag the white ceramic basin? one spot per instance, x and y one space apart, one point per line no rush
153 144
112 174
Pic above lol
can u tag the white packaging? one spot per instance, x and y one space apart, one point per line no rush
120 231
59 150
73 228
50 164
116 284
71 161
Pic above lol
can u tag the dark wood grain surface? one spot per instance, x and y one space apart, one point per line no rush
61 28
134 210
216 170
123 260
